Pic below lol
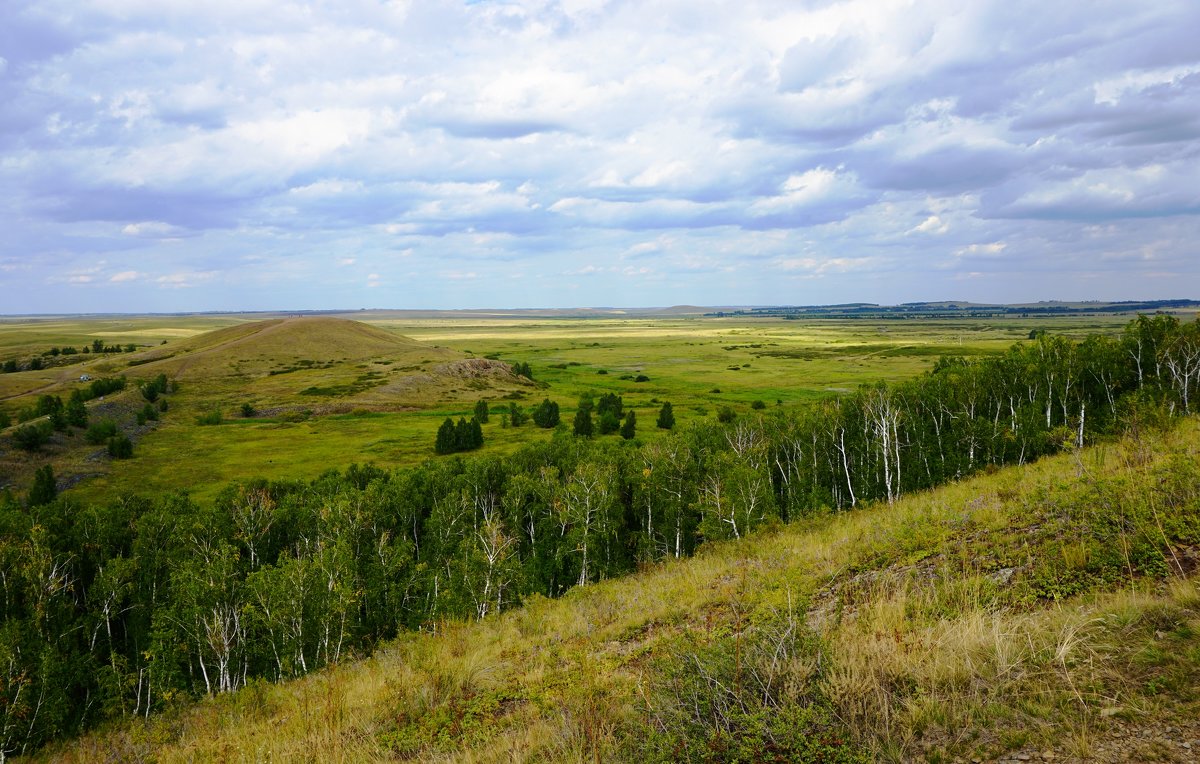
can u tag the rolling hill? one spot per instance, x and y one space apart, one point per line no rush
282 368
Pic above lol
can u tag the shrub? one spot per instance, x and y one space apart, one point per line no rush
666 417
101 431
120 446
31 437
725 415
545 414
758 405
44 488
248 411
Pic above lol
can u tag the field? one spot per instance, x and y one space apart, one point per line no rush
332 397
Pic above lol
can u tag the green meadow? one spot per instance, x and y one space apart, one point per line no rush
326 399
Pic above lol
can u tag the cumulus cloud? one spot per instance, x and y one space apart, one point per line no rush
876 145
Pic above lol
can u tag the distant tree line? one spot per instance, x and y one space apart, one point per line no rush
117 608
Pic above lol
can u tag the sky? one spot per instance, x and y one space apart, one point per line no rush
161 156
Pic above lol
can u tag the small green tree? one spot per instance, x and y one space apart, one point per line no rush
76 413
666 417
445 443
100 432
608 423
48 404
120 446
545 414
31 437
248 411
481 412
629 428
521 369
517 415
35 364
44 488
10 366
583 422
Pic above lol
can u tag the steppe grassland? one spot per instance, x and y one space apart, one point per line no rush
698 364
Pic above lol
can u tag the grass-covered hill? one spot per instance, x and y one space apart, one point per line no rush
266 374
1049 611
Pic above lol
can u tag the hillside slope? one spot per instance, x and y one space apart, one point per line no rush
1045 612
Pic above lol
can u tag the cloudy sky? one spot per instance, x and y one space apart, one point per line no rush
162 155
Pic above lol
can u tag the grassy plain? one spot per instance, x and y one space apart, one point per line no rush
377 396
969 623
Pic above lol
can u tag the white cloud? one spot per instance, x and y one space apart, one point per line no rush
478 140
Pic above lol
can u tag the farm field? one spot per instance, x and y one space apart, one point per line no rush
699 364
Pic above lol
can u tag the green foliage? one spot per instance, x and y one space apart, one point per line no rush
583 423
666 417
725 415
481 411
522 369
120 446
545 414
101 431
10 366
31 437
35 364
248 410
48 404
76 412
44 487
758 405
463 436
5 420
98 388
517 415
629 427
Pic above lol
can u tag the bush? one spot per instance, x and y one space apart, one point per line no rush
10 366
666 417
725 415
758 405
5 420
641 378
105 385
629 428
76 413
248 411
545 414
101 431
120 447
517 415
31 437
44 488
